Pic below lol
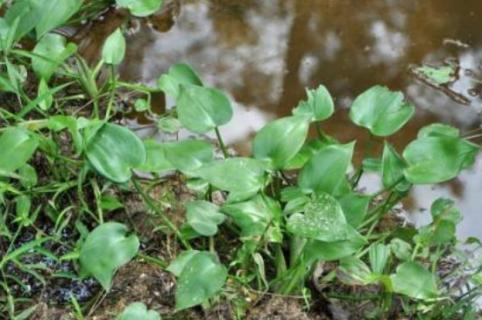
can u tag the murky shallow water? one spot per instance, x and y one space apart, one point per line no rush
264 54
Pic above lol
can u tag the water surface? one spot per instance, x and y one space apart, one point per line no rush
264 53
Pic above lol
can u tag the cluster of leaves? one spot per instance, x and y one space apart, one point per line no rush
292 205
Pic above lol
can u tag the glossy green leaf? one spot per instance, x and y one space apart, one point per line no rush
105 250
243 177
114 48
381 111
437 159
326 170
114 151
392 169
7 33
202 109
319 105
188 156
55 13
52 51
307 151
179 74
323 220
141 8
413 280
355 207
27 13
19 145
280 140
156 160
138 311
176 266
257 216
204 217
328 251
201 278
438 130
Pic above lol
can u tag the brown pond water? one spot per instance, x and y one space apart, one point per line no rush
265 52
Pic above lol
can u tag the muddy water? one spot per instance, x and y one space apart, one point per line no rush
264 53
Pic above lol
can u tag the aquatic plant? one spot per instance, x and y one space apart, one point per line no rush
292 208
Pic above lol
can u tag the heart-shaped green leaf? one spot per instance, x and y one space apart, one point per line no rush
204 217
279 141
381 111
202 109
114 151
52 50
326 170
141 8
255 216
179 74
156 160
319 105
188 156
19 145
54 13
413 280
176 266
106 249
114 48
323 220
436 159
315 250
138 311
200 277
243 177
